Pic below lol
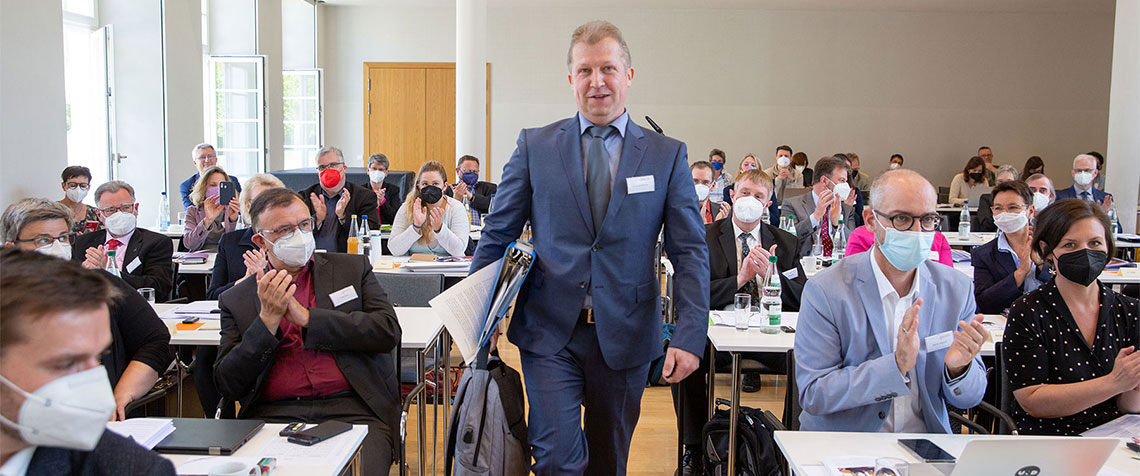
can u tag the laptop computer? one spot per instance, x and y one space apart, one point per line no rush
1032 457
208 436
976 194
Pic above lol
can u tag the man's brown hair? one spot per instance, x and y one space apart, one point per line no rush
34 285
593 32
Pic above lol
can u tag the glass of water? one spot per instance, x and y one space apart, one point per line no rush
182 219
742 307
148 294
891 467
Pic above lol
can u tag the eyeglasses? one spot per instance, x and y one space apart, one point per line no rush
304 225
45 240
322 168
904 222
126 207
81 186
1011 209
1084 170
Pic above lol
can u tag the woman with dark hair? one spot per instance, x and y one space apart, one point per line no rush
800 162
76 182
972 175
1034 165
1070 345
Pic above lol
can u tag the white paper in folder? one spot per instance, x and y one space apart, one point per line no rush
463 308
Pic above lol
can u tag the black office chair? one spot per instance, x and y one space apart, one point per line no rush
1006 426
792 408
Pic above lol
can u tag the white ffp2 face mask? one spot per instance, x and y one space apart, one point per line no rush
76 194
702 191
1040 201
842 190
783 161
1011 222
68 412
376 176
748 209
800 168
120 223
57 249
1083 178
296 248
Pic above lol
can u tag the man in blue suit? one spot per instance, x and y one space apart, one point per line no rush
877 347
1084 176
597 189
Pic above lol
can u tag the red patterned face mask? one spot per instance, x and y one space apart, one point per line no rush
330 178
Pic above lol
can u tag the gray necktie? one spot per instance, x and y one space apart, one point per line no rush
598 173
1085 196
750 287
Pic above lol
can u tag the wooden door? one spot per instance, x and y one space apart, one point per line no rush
409 113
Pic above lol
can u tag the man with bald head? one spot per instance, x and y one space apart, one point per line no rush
887 338
1084 176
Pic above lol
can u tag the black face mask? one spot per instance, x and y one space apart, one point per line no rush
431 194
976 176
1082 267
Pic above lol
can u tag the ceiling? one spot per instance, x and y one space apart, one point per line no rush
997 6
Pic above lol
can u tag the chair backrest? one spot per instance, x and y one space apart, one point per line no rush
943 194
411 289
795 192
792 407
1005 393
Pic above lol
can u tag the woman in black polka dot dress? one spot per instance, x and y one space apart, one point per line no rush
1070 346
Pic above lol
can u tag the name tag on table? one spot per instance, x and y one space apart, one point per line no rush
134 265
344 295
640 184
938 342
792 273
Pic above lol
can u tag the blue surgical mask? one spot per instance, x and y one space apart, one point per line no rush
717 166
906 250
470 178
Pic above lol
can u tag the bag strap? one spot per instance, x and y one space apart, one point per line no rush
482 424
510 395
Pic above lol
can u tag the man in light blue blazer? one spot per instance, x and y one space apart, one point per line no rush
887 338
597 190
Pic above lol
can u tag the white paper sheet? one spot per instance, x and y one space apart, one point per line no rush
463 308
320 454
202 309
728 318
147 432
1126 426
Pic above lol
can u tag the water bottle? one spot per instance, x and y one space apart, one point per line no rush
1113 220
771 302
364 238
790 226
817 250
838 242
964 222
491 206
111 266
164 213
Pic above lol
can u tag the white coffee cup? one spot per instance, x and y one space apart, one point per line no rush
808 263
234 468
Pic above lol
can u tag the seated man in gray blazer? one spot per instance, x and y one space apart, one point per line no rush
887 338
310 340
809 209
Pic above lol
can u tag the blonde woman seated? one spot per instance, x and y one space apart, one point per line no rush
207 219
429 222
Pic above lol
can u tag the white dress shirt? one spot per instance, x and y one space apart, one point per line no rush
906 410
17 465
121 251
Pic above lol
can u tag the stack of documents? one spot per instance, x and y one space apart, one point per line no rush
147 432
459 264
191 258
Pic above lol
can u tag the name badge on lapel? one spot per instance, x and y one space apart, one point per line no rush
133 265
344 295
640 184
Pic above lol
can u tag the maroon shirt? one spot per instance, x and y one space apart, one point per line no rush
297 371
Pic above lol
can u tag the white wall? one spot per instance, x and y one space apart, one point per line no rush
1124 122
182 35
931 86
32 121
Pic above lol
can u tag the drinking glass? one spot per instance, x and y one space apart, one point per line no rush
891 467
148 294
742 306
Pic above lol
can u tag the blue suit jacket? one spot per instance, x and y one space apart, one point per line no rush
845 368
545 183
1071 192
995 288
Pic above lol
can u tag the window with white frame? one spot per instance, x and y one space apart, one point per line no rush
87 89
237 113
302 95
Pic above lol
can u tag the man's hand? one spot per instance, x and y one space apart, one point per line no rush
342 204
967 343
850 200
274 290
907 349
821 205
725 210
96 258
319 209
1106 203
381 195
254 264
679 363
761 256
437 218
297 313
459 190
1125 373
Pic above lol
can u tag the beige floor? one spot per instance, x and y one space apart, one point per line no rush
654 446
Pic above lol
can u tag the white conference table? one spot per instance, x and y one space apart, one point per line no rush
804 450
948 208
401 261
346 451
736 343
420 328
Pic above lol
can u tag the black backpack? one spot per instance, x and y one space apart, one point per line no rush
756 453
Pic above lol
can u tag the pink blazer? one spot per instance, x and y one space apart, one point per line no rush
862 239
